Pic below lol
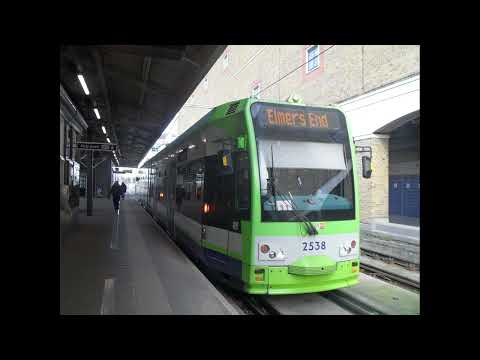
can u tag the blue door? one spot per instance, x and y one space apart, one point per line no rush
411 197
395 195
404 197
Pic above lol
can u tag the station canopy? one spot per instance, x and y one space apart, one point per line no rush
137 89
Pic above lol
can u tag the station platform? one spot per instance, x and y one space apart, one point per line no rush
124 264
391 240
407 233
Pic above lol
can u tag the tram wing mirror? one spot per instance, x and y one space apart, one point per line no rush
366 167
226 164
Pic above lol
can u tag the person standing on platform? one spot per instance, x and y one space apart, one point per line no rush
124 190
116 192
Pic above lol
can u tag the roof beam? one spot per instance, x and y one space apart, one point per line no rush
156 52
127 121
126 111
185 90
99 65
145 74
147 86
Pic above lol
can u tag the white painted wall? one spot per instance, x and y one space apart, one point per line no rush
375 109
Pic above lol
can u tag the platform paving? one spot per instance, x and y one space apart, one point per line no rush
125 264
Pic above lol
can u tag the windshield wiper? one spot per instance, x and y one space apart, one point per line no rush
311 230
308 224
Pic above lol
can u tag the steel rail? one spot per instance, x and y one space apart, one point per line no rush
391 276
350 304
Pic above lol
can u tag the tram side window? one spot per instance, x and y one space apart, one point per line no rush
199 180
242 184
161 193
151 188
179 187
189 190
188 182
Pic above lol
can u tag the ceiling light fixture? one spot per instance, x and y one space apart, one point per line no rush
96 113
104 131
84 84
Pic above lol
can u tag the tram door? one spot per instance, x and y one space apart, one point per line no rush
170 185
219 194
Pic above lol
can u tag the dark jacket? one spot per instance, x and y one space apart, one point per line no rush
124 188
116 190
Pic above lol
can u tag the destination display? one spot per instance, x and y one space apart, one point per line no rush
96 146
287 117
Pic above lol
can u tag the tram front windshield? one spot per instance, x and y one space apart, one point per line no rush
305 163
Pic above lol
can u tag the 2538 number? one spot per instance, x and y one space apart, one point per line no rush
314 245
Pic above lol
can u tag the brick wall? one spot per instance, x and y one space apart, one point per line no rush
387 63
374 191
346 71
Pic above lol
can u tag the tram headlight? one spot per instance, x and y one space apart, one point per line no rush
348 248
265 248
271 252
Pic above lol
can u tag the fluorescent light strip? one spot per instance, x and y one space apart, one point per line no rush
84 84
108 139
104 131
96 113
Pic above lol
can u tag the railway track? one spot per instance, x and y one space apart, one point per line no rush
249 304
350 304
390 260
264 305
391 277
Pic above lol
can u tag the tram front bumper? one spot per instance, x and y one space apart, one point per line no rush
279 281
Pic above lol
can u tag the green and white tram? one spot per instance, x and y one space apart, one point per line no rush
265 193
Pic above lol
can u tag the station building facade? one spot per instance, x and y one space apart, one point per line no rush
376 85
72 127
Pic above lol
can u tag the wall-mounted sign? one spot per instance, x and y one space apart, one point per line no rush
96 146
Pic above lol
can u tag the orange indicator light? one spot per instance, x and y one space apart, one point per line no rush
206 208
